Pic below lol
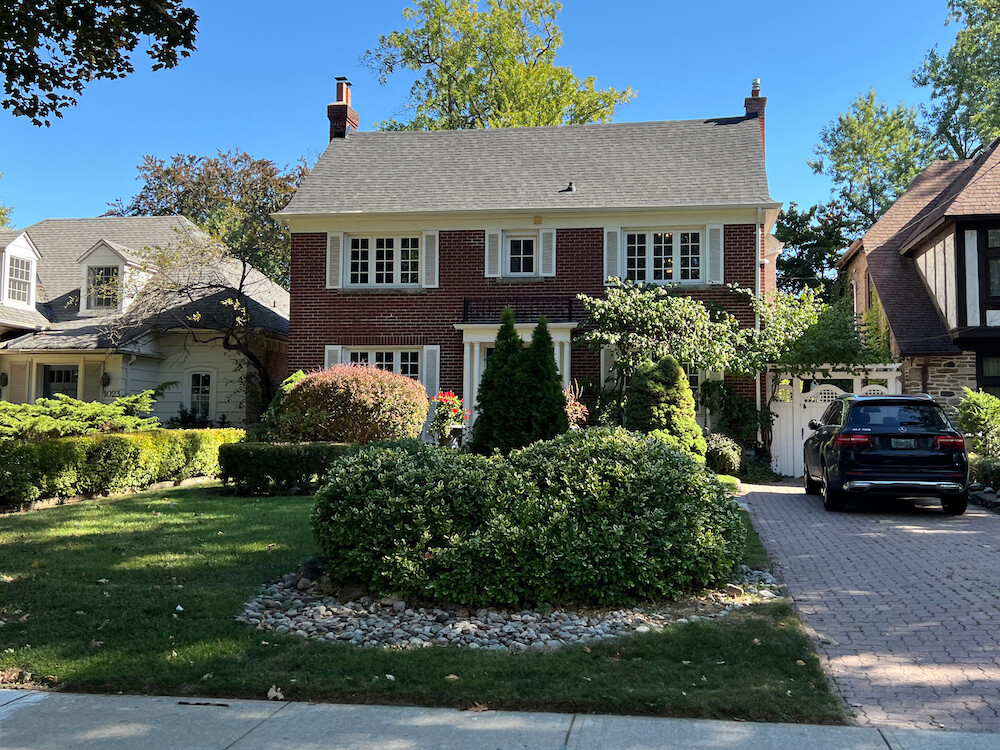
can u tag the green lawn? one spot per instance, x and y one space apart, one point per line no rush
89 594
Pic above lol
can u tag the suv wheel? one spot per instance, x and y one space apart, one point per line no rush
811 486
833 501
955 505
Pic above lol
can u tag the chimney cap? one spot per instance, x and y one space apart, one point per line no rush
344 78
755 87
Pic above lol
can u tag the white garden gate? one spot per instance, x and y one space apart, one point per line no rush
803 399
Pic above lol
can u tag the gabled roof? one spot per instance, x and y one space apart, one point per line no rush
686 163
945 191
127 254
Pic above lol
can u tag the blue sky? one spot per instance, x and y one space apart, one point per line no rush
264 73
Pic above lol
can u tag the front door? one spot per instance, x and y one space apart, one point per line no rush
60 379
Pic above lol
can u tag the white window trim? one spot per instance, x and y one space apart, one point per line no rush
5 280
397 262
347 351
213 388
535 255
675 239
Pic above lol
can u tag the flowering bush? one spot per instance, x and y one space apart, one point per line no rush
576 412
450 412
352 404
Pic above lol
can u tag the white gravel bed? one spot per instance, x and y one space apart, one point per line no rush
293 604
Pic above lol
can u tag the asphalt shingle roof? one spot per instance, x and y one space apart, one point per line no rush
616 165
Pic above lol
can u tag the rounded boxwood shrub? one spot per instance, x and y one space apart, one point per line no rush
723 454
659 399
352 404
596 516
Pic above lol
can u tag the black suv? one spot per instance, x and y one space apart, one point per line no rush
897 445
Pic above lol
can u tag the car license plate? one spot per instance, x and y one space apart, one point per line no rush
902 443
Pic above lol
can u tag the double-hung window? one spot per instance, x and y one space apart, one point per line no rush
661 256
19 280
383 261
201 393
102 287
403 362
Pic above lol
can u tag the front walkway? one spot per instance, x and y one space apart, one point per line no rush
903 603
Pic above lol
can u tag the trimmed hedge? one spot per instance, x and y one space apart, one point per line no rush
96 464
270 468
596 516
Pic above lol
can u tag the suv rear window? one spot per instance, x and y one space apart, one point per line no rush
890 417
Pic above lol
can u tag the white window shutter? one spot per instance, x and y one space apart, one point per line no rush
429 261
612 254
493 254
547 262
332 355
334 259
431 375
716 254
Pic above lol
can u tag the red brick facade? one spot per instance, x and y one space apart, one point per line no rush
419 317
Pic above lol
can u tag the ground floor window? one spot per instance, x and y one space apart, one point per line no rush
406 362
989 373
201 393
63 379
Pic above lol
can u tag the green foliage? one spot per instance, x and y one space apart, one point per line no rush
872 153
659 398
814 238
4 213
520 395
274 417
875 331
53 49
965 82
63 416
985 470
757 469
271 468
979 417
835 337
487 68
595 515
351 404
231 196
733 415
103 463
723 455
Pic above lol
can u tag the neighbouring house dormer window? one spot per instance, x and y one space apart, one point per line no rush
383 261
201 393
664 256
102 287
19 276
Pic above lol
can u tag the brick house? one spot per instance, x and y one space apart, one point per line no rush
933 263
407 245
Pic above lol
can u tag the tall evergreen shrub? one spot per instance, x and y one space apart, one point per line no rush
659 399
495 420
545 406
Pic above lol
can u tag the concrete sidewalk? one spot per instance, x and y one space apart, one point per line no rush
39 721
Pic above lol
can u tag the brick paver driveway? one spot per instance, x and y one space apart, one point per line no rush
903 603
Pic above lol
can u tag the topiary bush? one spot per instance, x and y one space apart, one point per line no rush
353 404
979 417
272 468
723 455
98 464
598 516
659 398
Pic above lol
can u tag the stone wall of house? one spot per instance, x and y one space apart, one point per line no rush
945 377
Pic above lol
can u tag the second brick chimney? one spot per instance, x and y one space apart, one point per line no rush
343 118
755 104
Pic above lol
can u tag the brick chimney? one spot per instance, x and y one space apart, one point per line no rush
343 118
755 104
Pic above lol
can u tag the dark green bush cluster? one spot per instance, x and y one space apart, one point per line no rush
270 468
349 404
979 418
723 455
63 416
597 516
96 464
985 470
659 399
521 397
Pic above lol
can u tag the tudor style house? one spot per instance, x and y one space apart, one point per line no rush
406 246
65 286
933 264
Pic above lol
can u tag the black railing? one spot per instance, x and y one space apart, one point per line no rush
526 309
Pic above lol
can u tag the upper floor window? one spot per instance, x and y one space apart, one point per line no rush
19 274
201 393
664 257
102 287
384 261
520 256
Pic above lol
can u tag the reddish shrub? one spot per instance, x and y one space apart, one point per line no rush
354 404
